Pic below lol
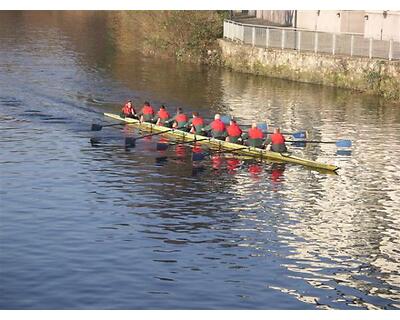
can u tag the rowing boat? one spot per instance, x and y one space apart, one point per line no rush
215 144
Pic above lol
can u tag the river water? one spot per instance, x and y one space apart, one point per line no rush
102 227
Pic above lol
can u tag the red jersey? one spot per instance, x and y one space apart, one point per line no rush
277 138
163 114
198 121
255 133
148 110
217 125
234 130
128 109
181 118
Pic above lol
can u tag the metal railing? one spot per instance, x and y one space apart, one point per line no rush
351 44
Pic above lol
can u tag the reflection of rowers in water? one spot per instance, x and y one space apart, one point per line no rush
277 170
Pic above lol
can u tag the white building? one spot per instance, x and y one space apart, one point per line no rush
382 25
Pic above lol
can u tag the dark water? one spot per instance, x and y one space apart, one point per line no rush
101 227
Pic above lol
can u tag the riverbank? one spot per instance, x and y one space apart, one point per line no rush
372 76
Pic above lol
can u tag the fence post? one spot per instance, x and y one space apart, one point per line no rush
316 42
333 43
299 41
283 39
253 38
370 48
390 49
267 38
351 45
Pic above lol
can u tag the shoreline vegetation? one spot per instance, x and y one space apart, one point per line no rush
196 37
187 36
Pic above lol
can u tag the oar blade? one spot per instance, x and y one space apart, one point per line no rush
162 146
198 156
299 135
345 153
226 119
96 127
343 143
262 126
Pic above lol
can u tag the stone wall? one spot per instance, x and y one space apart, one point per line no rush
372 76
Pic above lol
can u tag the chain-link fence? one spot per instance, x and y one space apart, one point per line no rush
352 44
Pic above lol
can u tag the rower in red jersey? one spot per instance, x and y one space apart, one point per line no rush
196 124
234 132
128 110
180 120
162 116
255 136
277 141
217 128
147 112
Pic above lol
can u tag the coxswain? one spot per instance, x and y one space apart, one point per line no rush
254 137
217 128
147 112
128 110
180 120
277 141
196 124
162 116
234 132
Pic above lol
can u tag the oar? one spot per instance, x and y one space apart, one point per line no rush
202 155
98 127
339 143
130 142
295 135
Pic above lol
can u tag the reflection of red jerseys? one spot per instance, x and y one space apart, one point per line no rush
216 162
276 174
234 130
197 148
163 114
277 138
255 133
148 110
255 169
180 151
232 164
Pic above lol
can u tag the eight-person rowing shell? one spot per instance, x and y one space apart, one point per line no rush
254 137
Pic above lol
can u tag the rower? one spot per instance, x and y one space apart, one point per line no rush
234 132
180 120
254 136
128 110
277 141
217 128
196 124
147 112
162 116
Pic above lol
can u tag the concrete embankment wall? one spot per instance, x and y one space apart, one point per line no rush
357 73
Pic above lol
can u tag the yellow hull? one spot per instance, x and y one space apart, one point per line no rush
256 153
